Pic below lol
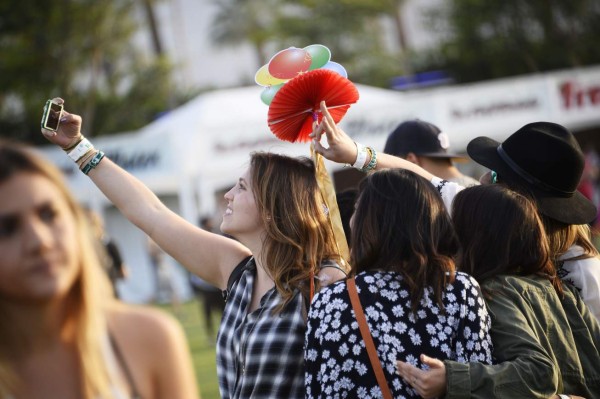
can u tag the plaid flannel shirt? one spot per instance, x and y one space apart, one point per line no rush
259 354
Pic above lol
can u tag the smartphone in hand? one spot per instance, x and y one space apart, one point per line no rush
51 116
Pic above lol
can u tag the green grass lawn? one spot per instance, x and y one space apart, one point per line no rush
202 347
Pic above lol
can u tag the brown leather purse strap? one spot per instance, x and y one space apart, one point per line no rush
366 335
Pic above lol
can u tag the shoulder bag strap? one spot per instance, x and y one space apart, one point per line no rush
366 335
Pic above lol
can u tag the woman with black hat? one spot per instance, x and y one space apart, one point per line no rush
543 161
545 339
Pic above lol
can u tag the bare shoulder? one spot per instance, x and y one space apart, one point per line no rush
142 322
154 345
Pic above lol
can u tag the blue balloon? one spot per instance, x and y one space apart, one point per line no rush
335 67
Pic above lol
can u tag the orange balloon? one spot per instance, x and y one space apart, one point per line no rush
264 78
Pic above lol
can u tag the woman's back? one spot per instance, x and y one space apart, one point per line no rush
336 359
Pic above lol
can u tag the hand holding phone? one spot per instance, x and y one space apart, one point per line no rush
52 115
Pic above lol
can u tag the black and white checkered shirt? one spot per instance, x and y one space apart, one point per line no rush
260 355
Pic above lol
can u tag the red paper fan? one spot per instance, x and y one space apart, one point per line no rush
291 111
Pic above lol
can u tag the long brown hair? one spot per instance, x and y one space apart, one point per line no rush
401 225
89 293
501 233
298 237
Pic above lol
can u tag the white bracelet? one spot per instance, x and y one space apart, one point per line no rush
82 148
361 156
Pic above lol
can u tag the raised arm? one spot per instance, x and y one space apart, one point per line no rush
342 149
210 256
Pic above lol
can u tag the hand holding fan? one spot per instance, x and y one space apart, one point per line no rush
296 81
297 104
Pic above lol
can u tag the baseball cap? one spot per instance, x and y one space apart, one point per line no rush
421 138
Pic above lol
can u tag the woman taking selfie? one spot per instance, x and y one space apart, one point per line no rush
282 237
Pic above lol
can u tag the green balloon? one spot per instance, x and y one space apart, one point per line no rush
269 92
320 55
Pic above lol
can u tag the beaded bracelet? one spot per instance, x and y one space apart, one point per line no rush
86 157
93 163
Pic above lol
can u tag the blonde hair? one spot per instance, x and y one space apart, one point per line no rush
295 220
562 236
89 294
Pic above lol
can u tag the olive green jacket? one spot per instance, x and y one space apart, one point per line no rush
543 345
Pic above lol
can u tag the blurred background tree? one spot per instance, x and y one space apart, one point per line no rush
82 51
351 29
493 39
253 22
480 39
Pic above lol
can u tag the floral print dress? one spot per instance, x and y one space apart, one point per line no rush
337 363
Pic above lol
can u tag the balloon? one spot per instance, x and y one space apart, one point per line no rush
320 55
288 63
335 67
268 93
264 78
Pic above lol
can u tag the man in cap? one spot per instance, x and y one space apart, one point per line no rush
424 144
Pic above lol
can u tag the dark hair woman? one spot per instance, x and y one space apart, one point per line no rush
403 249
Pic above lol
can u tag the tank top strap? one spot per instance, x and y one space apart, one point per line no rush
115 361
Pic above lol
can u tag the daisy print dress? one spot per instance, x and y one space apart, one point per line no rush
337 363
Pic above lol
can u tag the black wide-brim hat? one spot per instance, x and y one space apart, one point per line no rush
545 159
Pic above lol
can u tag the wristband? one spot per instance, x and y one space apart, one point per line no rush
80 150
93 163
361 156
372 162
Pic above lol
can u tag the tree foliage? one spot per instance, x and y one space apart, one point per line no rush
349 28
82 51
492 39
480 39
352 31
239 21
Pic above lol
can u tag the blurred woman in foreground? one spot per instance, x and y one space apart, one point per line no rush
62 333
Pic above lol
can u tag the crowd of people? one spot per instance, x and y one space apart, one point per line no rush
453 289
